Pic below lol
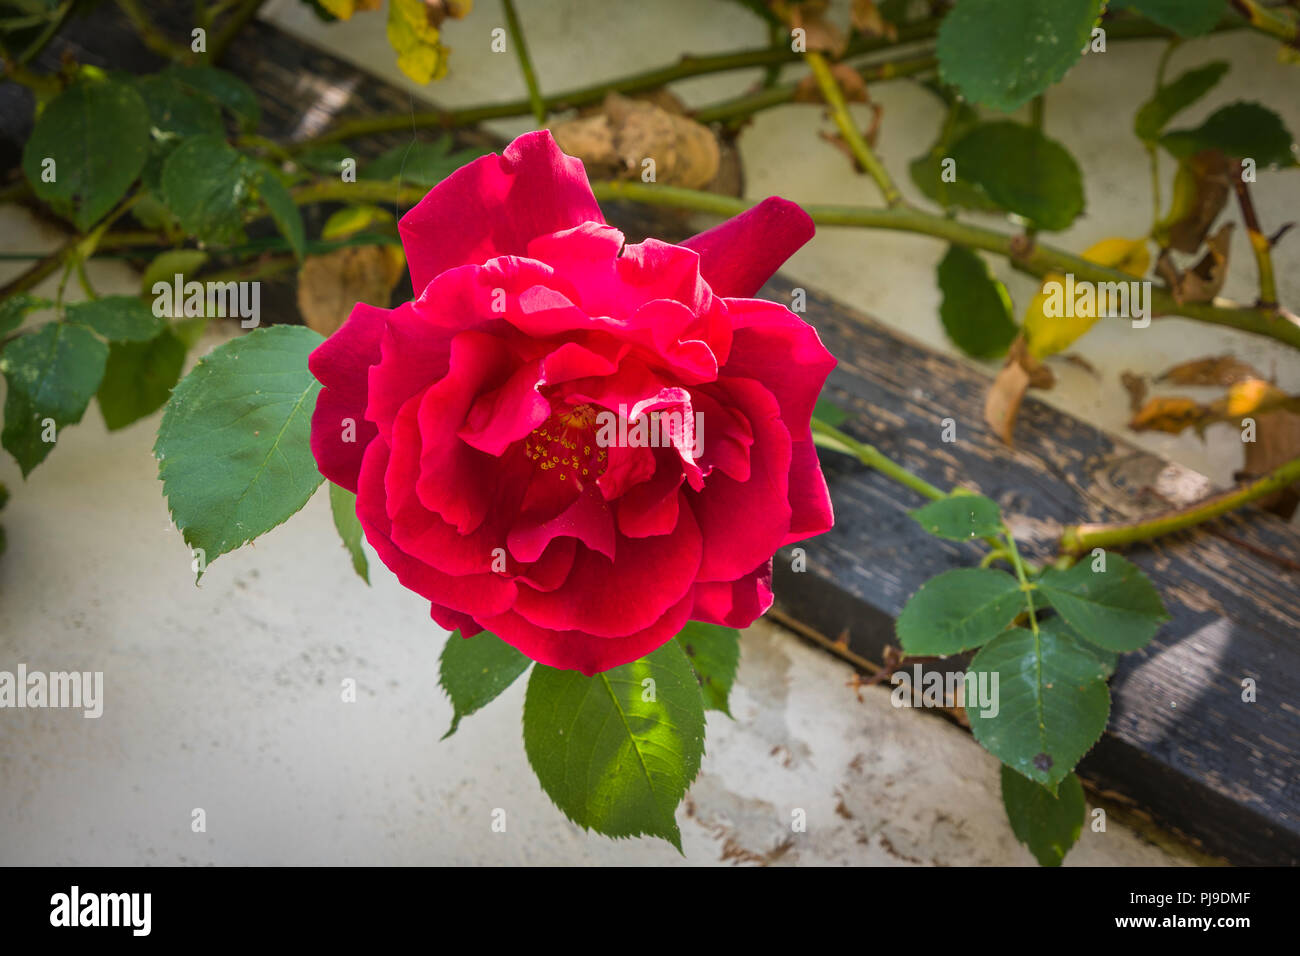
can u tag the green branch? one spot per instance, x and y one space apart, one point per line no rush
525 63
1037 259
1080 538
858 146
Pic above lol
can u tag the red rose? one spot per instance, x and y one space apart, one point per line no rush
521 436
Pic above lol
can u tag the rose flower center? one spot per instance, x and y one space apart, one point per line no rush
565 446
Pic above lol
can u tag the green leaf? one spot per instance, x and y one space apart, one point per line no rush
1047 824
97 133
52 374
139 377
327 159
283 210
118 318
1116 608
1022 171
1049 703
614 752
976 309
927 171
958 610
1172 98
474 671
960 517
343 504
827 411
1188 18
424 164
1243 131
1003 53
168 265
14 310
176 112
234 446
225 89
714 653
207 185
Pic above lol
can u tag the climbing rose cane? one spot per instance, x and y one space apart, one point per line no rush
474 423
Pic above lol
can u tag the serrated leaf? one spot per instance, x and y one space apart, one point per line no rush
960 517
223 88
97 133
1173 98
1022 171
138 378
52 374
612 760
927 171
1003 53
714 653
1188 18
1242 131
207 185
1116 608
176 112
234 446
1049 825
474 671
1049 704
343 505
958 610
15 309
976 309
118 318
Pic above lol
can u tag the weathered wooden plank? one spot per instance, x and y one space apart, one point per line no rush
1181 744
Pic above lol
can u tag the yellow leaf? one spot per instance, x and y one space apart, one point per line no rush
352 219
1050 334
412 34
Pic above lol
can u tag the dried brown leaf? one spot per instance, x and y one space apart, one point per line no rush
1203 281
1211 370
1201 190
1136 386
1173 414
330 285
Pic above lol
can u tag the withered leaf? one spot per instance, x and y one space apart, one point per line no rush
330 285
1201 190
1211 370
1172 414
1203 281
1020 373
1136 386
616 142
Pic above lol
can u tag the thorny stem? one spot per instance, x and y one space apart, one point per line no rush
150 35
1080 538
525 62
858 146
873 457
685 68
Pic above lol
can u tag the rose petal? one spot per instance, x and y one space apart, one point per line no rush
341 363
739 255
495 206
735 603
